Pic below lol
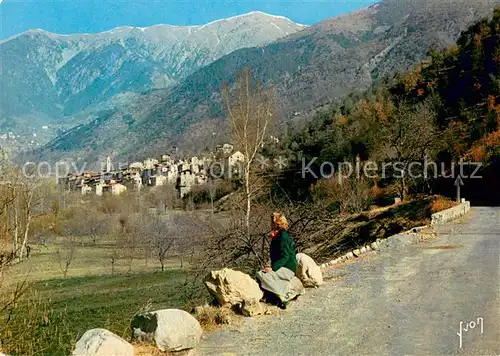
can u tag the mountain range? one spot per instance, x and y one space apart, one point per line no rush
47 77
309 68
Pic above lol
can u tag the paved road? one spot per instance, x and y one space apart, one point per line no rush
407 299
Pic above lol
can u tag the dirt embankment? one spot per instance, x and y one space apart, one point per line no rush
329 239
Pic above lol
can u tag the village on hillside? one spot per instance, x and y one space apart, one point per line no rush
182 173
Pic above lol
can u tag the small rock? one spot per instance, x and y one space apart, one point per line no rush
252 308
374 245
362 249
356 252
350 255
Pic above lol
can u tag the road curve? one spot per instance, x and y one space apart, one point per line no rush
407 299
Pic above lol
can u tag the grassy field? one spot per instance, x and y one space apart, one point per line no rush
56 311
89 259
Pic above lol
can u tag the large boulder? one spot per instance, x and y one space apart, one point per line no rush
101 342
308 271
171 329
233 288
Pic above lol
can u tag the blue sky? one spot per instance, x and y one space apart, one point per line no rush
70 16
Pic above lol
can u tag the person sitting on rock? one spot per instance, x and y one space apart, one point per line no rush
279 281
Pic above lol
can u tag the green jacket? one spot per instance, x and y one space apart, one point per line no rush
283 252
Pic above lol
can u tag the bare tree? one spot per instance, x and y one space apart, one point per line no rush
212 191
161 238
163 197
408 135
166 236
222 241
114 254
349 194
22 194
129 246
131 236
88 223
251 112
66 253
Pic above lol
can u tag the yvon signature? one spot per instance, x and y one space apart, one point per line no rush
469 326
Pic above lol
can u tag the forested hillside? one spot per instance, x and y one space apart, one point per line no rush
443 111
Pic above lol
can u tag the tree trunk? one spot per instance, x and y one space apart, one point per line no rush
249 200
25 240
65 272
212 193
27 227
112 265
404 194
15 238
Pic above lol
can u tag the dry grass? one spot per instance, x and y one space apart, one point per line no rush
152 350
147 350
211 318
441 203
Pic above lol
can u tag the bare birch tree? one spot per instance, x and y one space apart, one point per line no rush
22 194
251 112
31 197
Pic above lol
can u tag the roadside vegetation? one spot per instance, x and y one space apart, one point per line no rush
69 263
54 313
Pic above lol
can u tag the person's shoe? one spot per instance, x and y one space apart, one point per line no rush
283 305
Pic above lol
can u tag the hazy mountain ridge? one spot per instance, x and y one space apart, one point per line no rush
309 68
49 75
